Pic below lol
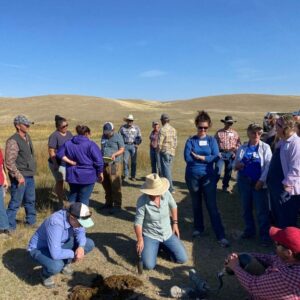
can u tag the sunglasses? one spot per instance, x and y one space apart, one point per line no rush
202 127
65 126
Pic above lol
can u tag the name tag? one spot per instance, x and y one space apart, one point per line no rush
203 143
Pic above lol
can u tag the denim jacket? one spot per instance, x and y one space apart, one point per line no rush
265 154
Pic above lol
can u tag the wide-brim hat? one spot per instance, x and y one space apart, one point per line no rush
129 118
228 119
155 185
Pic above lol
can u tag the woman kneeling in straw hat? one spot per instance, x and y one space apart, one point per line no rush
152 222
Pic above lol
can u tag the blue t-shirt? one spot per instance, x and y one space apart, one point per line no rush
252 163
206 146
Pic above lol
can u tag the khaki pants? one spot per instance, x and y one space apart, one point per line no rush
112 184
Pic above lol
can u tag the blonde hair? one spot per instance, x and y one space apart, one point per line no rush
288 124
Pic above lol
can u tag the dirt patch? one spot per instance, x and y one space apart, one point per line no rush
115 287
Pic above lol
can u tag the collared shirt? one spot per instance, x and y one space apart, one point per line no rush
228 139
281 281
154 139
154 220
111 145
130 133
167 139
290 161
54 232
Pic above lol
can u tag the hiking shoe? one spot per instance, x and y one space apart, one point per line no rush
48 282
178 293
67 270
224 243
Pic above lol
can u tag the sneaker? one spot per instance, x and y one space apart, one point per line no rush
48 282
224 243
178 293
67 270
197 233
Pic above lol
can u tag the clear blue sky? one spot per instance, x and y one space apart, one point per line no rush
149 49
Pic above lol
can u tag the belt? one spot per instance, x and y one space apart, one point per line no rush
129 143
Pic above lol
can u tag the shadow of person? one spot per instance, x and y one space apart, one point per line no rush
19 262
123 245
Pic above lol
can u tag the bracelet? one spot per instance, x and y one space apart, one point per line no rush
174 222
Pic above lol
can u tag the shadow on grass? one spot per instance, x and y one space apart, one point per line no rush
19 262
45 200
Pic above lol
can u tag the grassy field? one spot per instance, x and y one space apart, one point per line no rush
113 235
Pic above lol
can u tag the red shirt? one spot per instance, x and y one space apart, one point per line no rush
1 168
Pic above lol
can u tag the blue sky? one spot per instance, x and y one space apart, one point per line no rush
149 49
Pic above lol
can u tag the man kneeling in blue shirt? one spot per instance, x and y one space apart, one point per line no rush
60 240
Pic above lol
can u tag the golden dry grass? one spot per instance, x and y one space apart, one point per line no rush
113 235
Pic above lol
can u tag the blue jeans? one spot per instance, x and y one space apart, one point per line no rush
155 161
172 245
205 185
80 192
3 216
130 151
53 266
22 193
166 161
250 197
226 161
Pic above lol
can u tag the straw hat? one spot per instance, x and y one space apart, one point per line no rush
129 118
154 185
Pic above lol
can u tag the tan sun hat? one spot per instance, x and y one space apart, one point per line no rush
154 185
129 118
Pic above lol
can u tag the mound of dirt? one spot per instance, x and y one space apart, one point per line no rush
116 287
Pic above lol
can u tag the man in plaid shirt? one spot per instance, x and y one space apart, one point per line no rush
228 141
281 279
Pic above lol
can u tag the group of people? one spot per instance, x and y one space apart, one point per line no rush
268 178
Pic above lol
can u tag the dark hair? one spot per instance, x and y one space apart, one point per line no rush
203 116
59 120
82 130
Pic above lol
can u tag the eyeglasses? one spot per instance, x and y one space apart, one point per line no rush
65 126
202 127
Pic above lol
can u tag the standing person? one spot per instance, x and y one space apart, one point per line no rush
84 164
152 222
58 167
200 153
252 163
228 141
154 155
113 147
132 137
167 143
20 163
270 136
284 174
4 224
61 240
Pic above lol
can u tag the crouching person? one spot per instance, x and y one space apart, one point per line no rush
281 279
152 223
61 240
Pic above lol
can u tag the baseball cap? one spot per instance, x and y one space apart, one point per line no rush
288 237
164 117
82 213
296 113
20 119
108 127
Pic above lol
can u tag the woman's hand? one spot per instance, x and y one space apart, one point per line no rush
72 163
199 157
175 230
239 166
140 246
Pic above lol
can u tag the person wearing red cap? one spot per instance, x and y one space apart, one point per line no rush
281 279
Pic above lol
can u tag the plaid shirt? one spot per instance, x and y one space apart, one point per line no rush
281 281
228 140
167 139
129 134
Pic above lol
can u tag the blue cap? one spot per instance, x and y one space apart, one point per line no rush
108 127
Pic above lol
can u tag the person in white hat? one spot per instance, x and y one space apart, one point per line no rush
132 136
60 240
152 222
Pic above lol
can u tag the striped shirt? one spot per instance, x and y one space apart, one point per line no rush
167 139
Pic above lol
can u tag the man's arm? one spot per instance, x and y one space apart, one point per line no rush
11 154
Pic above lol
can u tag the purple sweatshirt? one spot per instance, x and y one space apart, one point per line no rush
88 157
290 161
